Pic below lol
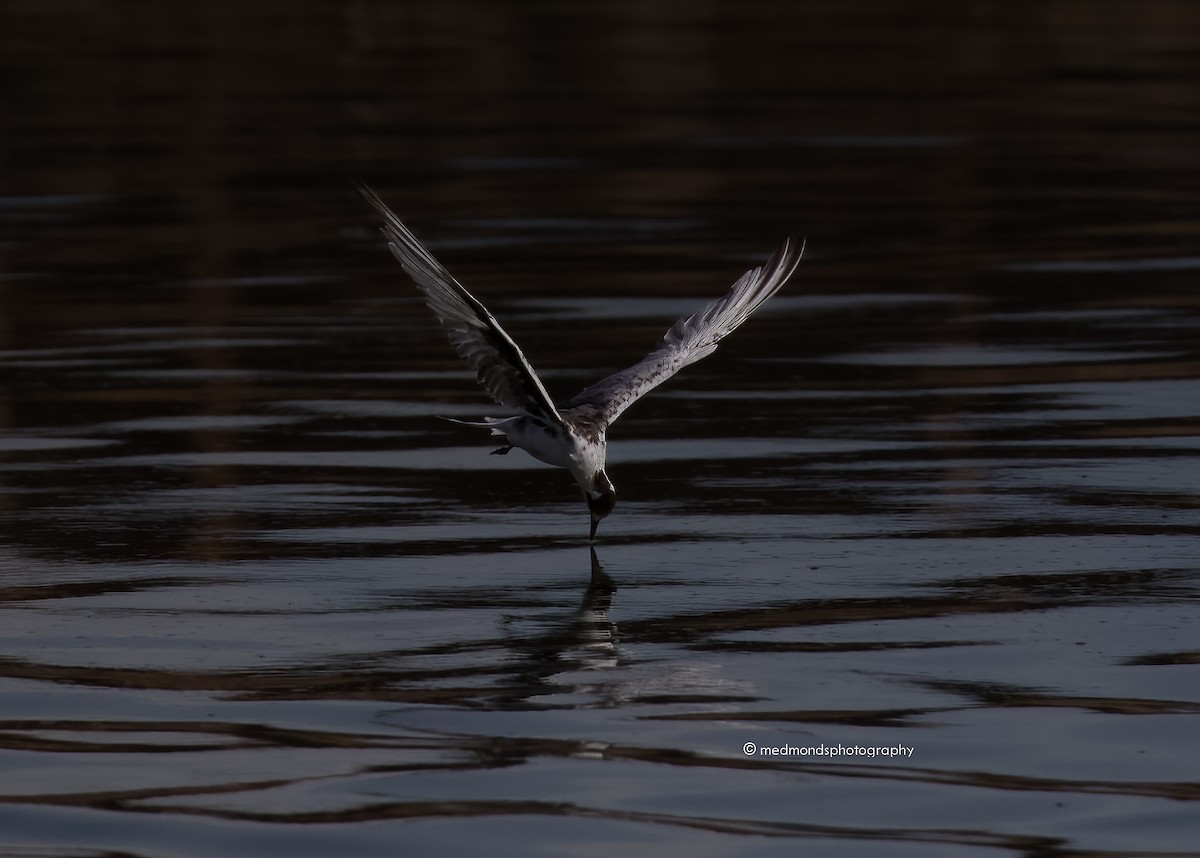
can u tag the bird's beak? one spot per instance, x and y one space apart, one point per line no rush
592 532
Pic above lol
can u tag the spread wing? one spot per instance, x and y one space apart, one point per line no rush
693 338
499 364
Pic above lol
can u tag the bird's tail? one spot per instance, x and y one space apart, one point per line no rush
492 423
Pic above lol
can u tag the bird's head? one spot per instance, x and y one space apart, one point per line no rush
601 498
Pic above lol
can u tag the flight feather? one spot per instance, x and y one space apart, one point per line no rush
692 338
500 365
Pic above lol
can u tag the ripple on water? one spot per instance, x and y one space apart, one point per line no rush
255 599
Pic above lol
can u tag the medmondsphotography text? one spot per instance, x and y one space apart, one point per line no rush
870 751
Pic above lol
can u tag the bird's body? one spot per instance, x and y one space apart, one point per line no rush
572 436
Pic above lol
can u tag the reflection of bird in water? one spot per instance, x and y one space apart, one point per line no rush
580 659
573 436
554 661
596 632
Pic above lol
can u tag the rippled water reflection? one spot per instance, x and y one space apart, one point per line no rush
941 494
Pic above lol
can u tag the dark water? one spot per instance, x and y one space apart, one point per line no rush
255 599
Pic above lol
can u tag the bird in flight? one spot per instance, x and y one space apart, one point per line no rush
571 435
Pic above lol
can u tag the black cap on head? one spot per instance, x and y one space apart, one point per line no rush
600 500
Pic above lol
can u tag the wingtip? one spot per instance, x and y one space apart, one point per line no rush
794 245
791 253
364 191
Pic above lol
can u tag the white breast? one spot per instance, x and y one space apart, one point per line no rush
553 447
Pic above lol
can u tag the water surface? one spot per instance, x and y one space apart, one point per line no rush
939 496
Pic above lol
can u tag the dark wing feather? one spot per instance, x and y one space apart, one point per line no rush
499 364
693 338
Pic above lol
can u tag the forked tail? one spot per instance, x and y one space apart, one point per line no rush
486 423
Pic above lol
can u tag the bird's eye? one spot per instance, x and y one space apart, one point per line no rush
602 505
